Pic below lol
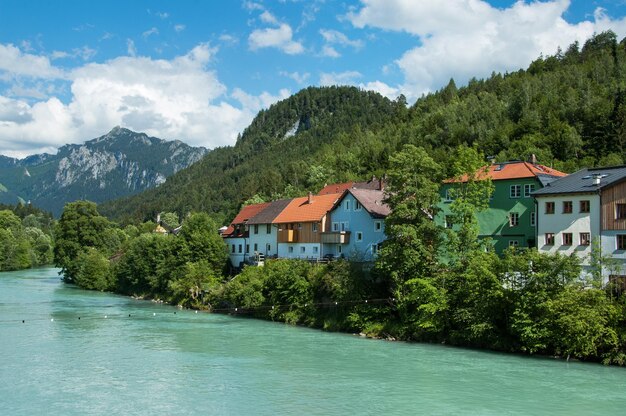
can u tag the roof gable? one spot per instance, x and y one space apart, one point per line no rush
307 209
371 199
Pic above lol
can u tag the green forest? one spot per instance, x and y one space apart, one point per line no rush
568 109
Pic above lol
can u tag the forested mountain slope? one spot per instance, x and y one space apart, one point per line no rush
568 109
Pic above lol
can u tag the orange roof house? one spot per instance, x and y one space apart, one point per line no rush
248 212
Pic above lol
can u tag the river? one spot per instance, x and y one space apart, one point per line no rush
88 353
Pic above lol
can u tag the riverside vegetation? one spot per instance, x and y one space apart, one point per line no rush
441 285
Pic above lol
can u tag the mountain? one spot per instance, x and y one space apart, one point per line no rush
117 164
569 110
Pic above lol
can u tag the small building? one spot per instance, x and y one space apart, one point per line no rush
586 206
511 218
237 235
263 235
357 225
300 226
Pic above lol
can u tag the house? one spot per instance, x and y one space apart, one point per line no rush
338 188
511 218
357 225
301 223
586 206
237 235
263 233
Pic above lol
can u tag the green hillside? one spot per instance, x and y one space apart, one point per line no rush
568 109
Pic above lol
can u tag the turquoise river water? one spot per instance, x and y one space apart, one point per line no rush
161 360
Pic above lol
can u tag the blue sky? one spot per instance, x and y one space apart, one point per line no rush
199 71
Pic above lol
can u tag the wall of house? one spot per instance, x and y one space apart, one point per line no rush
576 222
616 263
494 221
299 250
304 232
345 217
610 197
262 239
236 257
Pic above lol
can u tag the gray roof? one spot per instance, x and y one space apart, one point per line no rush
270 212
582 181
372 201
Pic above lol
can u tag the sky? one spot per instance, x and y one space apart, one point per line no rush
199 71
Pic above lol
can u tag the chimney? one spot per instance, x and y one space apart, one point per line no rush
596 179
310 197
381 184
158 218
533 159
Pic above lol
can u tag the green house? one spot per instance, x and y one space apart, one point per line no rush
511 217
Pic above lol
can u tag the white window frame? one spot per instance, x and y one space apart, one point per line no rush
528 188
335 226
268 229
290 249
314 227
517 193
378 226
346 206
513 243
357 205
513 223
533 219
359 236
315 249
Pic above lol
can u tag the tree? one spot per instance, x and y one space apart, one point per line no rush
80 227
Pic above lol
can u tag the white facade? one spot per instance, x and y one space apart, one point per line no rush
236 250
576 225
263 239
299 250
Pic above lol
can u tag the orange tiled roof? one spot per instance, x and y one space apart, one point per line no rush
335 188
246 213
515 170
300 210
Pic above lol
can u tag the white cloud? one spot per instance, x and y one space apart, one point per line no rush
467 38
148 33
229 39
267 17
130 47
339 78
329 52
179 28
14 62
296 76
250 6
178 98
336 37
280 37
383 89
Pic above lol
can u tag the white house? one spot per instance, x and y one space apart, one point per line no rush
586 206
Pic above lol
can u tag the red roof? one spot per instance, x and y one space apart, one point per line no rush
337 188
515 170
246 213
301 210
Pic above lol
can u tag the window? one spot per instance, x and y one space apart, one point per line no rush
528 188
302 249
335 226
549 239
345 226
567 207
268 229
359 236
549 207
290 249
378 226
374 248
533 219
299 226
567 239
232 249
621 241
513 219
448 221
585 239
339 249
256 228
585 206
256 247
620 211
268 248
347 205
357 206
247 248
513 243
314 226
315 249
239 249
449 194
516 191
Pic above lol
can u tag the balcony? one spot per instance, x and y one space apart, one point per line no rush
287 236
336 237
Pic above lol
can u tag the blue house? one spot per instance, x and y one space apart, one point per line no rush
357 225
